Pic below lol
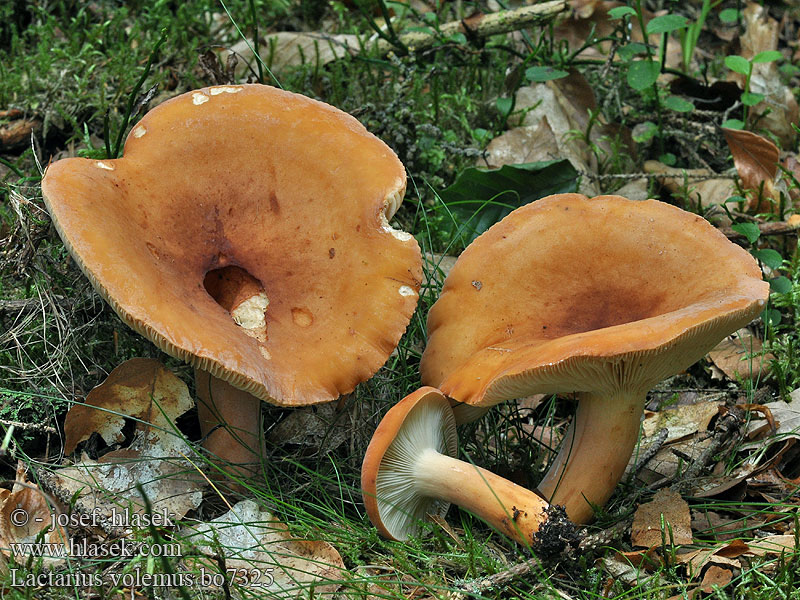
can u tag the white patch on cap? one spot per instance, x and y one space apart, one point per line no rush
407 291
401 235
265 353
101 165
251 316
224 89
199 98
139 131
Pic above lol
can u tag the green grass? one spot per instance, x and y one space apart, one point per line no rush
75 67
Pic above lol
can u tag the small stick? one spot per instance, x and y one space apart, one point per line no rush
482 26
772 228
29 426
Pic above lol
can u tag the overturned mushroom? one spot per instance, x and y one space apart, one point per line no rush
410 470
245 231
604 297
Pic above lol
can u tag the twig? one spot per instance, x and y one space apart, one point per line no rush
521 569
29 426
652 450
503 21
771 228
726 426
29 303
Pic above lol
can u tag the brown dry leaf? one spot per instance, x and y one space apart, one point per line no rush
24 513
779 110
255 542
648 559
706 192
739 356
647 527
636 189
322 427
756 160
549 110
17 131
157 457
715 576
786 416
681 421
771 545
135 389
696 560
290 49
529 143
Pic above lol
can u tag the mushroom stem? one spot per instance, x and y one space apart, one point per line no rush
238 443
594 453
510 508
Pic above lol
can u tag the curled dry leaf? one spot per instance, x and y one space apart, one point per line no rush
739 356
779 109
756 160
38 511
15 129
715 577
648 530
711 189
546 133
290 49
157 456
252 540
322 427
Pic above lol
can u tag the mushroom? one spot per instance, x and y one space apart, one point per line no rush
604 297
246 232
410 471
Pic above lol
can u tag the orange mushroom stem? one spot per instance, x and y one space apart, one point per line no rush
230 422
410 471
594 453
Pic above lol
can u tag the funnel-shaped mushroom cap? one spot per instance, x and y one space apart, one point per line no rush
587 295
422 421
254 187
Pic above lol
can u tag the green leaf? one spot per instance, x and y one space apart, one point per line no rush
668 158
458 38
736 199
504 106
678 104
645 132
748 230
751 98
628 51
729 15
621 11
769 257
733 124
738 64
771 316
479 198
767 56
780 285
642 74
544 74
666 23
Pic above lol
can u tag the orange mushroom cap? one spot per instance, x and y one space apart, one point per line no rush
579 294
292 192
